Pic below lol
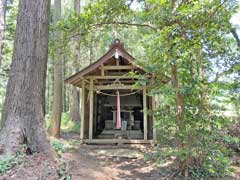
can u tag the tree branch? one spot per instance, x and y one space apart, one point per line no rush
228 71
235 35
118 23
126 23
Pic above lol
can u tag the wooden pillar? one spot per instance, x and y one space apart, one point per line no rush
91 110
154 121
82 112
145 128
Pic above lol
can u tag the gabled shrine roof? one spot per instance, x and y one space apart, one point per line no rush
116 48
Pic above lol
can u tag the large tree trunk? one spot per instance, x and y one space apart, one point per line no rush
74 105
57 86
2 26
23 118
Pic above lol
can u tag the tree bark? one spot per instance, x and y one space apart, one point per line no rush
179 99
24 110
74 108
55 124
74 105
64 87
235 35
91 49
2 26
179 116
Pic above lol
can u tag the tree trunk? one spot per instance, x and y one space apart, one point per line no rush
179 116
74 111
77 6
64 87
48 92
23 118
2 26
91 49
57 86
179 99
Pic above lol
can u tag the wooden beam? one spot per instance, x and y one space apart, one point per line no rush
80 85
126 67
111 81
145 113
77 81
102 70
116 141
91 110
125 76
154 120
109 87
82 112
110 77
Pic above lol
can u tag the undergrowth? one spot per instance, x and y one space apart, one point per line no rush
10 162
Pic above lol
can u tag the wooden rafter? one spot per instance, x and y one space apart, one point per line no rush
110 77
112 87
126 67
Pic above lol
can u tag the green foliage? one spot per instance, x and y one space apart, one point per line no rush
61 145
215 164
11 162
7 48
67 125
230 140
58 146
191 42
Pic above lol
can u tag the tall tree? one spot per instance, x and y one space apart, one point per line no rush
58 77
23 118
74 108
2 25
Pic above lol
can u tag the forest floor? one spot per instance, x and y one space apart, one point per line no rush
113 162
91 162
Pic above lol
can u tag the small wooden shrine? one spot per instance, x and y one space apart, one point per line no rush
113 108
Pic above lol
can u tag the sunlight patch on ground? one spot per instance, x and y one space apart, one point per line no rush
121 153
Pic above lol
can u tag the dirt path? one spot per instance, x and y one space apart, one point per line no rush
110 162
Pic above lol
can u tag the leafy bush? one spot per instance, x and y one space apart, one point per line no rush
201 153
215 164
231 142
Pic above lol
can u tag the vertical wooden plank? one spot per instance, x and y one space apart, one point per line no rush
102 70
91 110
82 112
154 120
95 112
145 128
